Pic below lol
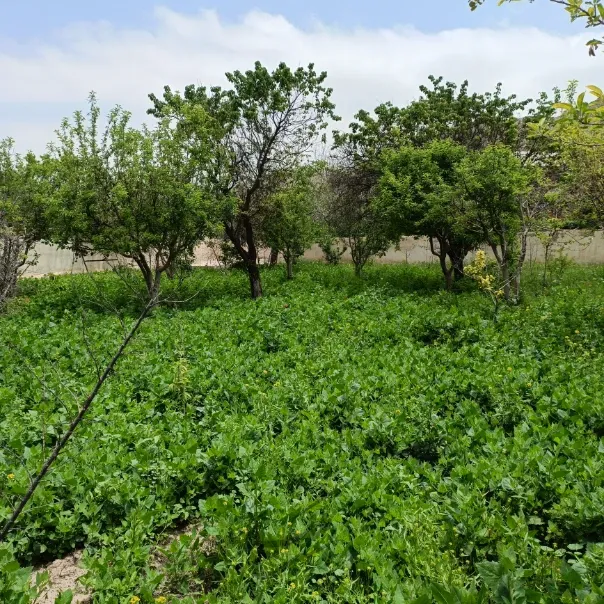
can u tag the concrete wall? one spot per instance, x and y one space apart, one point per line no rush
581 247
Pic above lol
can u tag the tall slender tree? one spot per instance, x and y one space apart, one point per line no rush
270 120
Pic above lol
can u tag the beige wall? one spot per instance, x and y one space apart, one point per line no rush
581 247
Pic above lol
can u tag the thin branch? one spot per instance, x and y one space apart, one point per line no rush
62 442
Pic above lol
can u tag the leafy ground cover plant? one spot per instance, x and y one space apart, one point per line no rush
340 440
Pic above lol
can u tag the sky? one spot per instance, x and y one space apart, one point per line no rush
52 54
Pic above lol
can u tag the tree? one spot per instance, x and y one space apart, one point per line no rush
582 159
446 111
417 197
271 121
22 216
288 224
349 214
139 193
591 11
493 184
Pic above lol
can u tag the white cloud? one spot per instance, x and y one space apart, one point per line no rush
365 66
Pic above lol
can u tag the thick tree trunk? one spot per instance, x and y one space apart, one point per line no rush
447 272
457 256
152 278
274 257
249 255
255 284
441 254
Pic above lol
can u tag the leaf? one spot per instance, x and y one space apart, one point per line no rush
597 92
565 106
65 597
443 596
423 599
490 573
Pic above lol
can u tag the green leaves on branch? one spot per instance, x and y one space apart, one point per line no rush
590 11
141 193
289 222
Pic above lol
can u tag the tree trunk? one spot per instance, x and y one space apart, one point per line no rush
289 261
274 257
441 254
249 256
255 284
520 264
447 272
457 256
12 253
505 274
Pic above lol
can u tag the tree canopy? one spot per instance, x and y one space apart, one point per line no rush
140 193
270 122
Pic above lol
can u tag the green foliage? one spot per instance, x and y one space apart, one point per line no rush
22 215
477 120
418 196
289 215
16 586
493 184
269 121
142 194
360 440
582 155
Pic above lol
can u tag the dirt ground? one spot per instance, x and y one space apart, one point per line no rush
64 575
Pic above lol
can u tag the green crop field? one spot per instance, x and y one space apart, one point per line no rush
340 440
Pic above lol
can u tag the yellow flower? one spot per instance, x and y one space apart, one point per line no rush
577 331
315 594
11 476
244 529
284 551
161 600
134 600
292 586
509 369
289 524
297 532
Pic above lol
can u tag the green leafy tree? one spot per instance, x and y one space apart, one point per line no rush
591 12
448 111
582 160
270 121
139 193
22 214
418 192
350 216
289 225
494 184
